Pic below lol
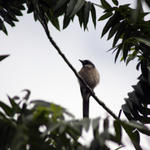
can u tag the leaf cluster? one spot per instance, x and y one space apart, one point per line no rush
9 11
53 9
42 125
128 28
137 103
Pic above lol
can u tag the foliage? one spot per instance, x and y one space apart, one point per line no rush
41 125
137 104
9 10
52 10
2 57
130 30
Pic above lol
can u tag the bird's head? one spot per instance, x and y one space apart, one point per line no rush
86 62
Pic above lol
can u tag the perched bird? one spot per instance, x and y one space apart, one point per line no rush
91 76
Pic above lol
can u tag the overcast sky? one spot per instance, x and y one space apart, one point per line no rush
34 64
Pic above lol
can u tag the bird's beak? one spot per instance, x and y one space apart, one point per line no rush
81 61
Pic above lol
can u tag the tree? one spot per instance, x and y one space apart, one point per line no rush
43 125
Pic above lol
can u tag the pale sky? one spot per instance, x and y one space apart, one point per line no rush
34 64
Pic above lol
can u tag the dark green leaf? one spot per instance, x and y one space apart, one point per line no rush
126 49
40 103
3 57
16 11
132 56
60 4
95 126
133 134
142 40
9 21
115 2
8 110
105 16
86 123
54 20
81 17
113 31
15 106
62 128
70 7
95 123
77 7
113 20
66 21
106 124
60 11
126 109
141 127
118 131
147 2
2 27
105 4
118 51
87 8
93 13
120 32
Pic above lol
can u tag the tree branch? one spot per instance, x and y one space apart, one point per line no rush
45 26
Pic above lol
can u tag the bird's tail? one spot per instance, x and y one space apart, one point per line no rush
85 95
86 108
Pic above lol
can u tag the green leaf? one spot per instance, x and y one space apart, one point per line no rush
15 106
95 126
113 31
141 127
105 4
38 103
87 8
86 123
126 49
106 124
132 56
142 40
93 13
70 7
60 4
2 27
147 2
118 130
118 51
133 134
95 123
115 2
113 20
62 128
105 16
54 20
8 110
81 17
77 7
3 57
66 21
120 32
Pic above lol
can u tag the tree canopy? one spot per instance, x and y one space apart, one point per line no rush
38 124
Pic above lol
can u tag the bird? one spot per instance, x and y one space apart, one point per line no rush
91 76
